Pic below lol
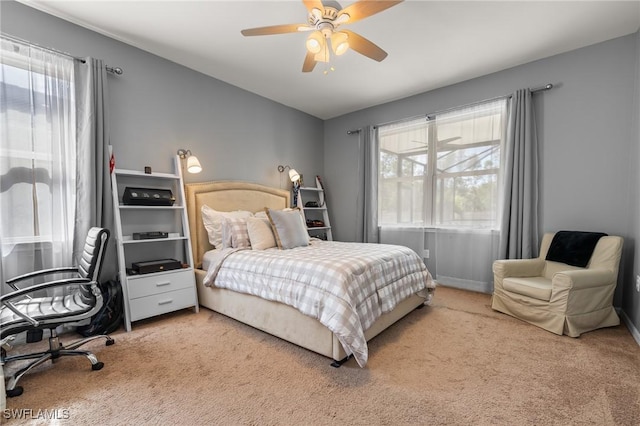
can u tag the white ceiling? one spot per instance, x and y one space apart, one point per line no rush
430 44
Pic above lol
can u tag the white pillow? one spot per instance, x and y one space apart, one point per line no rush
262 215
288 228
260 233
235 233
212 220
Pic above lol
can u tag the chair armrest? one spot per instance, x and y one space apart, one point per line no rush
6 299
12 281
518 267
583 278
43 286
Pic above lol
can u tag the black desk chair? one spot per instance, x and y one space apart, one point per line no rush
26 310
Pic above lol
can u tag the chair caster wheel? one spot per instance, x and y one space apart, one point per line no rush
110 342
17 391
97 366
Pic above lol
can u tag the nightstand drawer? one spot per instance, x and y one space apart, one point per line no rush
145 307
160 283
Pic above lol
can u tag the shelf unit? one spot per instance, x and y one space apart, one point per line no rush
315 193
148 295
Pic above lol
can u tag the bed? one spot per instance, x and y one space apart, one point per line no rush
271 316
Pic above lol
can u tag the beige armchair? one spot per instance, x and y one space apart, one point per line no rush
557 297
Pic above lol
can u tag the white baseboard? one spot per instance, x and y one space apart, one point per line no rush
635 333
477 286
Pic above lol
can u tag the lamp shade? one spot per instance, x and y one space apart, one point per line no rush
339 42
315 42
293 175
193 165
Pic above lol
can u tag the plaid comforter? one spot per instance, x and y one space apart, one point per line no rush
345 286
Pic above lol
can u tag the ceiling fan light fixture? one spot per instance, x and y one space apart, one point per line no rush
339 42
323 19
315 42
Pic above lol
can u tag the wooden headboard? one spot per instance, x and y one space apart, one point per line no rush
226 196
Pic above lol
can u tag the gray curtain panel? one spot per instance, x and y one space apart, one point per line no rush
94 200
370 231
519 226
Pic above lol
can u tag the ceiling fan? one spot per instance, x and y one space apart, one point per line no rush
323 22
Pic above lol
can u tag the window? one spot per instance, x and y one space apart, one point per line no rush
37 157
442 171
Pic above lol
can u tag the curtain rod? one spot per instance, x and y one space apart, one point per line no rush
429 116
547 86
112 70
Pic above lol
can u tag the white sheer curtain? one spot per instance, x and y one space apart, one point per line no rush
37 158
404 183
470 141
438 185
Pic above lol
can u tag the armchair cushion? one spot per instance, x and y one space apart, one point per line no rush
536 287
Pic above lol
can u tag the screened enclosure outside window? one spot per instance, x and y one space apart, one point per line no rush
442 171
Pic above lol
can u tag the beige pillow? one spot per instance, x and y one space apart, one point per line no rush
212 220
288 228
260 233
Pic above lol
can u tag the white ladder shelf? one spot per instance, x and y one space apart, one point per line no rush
315 194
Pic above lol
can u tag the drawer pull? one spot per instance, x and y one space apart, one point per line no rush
163 283
165 302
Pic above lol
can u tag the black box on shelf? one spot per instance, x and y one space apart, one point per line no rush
147 197
150 235
152 266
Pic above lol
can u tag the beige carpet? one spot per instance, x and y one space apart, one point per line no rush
456 362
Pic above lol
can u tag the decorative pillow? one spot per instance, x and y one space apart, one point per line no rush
260 233
212 220
235 233
288 228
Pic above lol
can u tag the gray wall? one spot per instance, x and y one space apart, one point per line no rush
585 132
631 299
158 106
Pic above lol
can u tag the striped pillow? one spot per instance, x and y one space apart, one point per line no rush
235 233
213 220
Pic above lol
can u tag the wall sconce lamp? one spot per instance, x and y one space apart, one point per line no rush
293 175
193 165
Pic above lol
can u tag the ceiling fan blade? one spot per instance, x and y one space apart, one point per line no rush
277 29
364 46
313 4
309 62
365 8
